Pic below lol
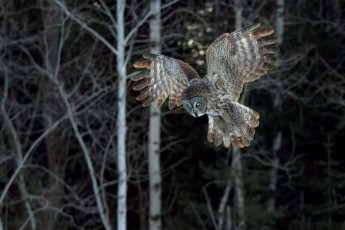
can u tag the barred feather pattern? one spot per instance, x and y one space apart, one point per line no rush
232 59
163 77
239 57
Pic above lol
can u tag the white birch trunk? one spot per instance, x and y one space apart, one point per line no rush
121 120
236 166
228 218
222 205
154 129
238 14
276 104
239 191
280 20
273 183
236 157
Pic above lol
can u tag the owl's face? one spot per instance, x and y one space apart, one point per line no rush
195 106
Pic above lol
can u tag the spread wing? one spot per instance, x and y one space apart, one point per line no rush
162 77
242 56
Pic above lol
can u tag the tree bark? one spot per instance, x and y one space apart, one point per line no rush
280 20
277 105
236 154
239 191
121 120
53 111
155 221
222 205
273 181
236 165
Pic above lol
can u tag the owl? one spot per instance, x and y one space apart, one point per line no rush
232 60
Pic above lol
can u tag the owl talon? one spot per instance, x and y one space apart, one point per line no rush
210 137
218 139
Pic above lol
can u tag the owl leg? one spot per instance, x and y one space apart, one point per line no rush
226 128
240 122
214 134
210 132
218 131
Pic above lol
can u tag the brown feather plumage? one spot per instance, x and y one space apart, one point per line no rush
232 60
164 77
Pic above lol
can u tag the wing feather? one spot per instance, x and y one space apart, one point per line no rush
163 77
242 56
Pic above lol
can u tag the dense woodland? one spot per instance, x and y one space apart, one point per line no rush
74 142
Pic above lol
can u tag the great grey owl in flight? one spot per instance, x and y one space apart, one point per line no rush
232 59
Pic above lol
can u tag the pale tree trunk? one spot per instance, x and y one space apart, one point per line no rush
215 24
239 190
228 218
236 165
155 221
277 105
238 14
280 20
236 154
222 206
121 62
275 161
274 172
121 119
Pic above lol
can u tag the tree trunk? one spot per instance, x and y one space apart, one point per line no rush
277 105
236 155
239 191
154 129
215 23
236 165
53 111
121 120
273 181
280 20
222 205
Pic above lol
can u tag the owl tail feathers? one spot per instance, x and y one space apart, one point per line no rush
235 125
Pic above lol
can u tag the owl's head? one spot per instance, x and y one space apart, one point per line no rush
196 106
194 98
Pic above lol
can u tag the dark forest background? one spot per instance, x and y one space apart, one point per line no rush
58 86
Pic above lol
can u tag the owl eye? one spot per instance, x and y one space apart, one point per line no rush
197 104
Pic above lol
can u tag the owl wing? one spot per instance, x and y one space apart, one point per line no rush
242 56
163 77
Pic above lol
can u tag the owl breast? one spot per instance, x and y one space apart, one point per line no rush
217 101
